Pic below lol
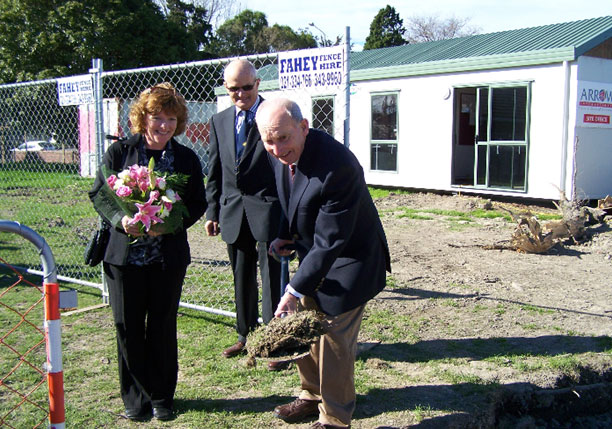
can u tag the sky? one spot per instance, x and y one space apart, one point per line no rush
331 17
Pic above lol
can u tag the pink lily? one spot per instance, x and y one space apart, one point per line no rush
143 185
154 196
146 214
140 176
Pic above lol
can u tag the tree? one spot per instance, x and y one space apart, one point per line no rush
239 35
283 38
195 21
387 29
218 10
430 28
249 33
51 38
322 40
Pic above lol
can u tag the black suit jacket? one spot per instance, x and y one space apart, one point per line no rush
233 189
331 217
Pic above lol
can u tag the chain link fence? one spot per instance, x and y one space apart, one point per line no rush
45 185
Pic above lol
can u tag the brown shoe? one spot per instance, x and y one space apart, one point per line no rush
297 410
277 366
319 425
234 350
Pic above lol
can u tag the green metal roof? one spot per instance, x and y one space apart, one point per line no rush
512 48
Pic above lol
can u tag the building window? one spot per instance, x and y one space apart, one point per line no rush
383 142
323 114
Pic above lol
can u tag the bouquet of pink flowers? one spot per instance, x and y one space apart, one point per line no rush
150 198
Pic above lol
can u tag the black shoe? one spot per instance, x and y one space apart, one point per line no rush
163 413
138 414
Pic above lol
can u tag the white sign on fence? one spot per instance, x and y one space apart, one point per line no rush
75 90
594 104
312 68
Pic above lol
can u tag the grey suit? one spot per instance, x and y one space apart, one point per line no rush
242 197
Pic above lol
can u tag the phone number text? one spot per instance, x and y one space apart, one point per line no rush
297 81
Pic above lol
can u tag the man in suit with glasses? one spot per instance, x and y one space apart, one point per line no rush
242 201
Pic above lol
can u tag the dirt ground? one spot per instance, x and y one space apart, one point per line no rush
491 314
556 304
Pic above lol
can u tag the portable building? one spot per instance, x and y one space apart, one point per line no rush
522 113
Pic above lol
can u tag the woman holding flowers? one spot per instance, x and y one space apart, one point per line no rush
150 189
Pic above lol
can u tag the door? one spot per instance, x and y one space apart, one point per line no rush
501 137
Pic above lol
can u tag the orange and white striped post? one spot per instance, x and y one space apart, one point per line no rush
53 330
55 374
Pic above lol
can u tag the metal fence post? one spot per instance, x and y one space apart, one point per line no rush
96 75
347 86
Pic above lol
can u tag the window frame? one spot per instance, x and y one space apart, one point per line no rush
485 146
392 144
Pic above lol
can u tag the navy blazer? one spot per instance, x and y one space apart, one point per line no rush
233 189
330 215
175 247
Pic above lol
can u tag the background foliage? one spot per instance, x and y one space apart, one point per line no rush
49 38
42 39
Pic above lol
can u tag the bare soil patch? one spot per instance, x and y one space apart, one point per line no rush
472 299
491 338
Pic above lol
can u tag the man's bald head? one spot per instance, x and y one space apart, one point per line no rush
240 67
241 83
278 106
283 129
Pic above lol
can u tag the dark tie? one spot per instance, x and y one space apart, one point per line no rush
291 177
243 132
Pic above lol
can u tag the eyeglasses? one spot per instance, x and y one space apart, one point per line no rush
240 88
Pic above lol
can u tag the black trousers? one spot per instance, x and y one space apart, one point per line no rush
144 301
244 254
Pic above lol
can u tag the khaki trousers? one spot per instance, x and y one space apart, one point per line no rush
328 372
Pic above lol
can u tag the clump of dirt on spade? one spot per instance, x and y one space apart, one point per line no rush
285 338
